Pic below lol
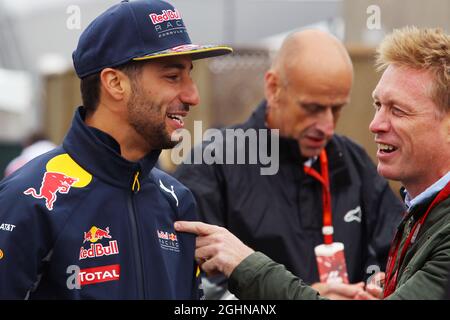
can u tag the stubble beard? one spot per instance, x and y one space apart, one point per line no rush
148 121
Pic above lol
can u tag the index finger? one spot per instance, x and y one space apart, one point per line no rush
197 227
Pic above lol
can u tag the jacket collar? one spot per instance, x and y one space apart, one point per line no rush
290 152
419 209
431 191
99 154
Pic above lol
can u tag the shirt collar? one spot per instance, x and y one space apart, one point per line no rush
309 162
428 193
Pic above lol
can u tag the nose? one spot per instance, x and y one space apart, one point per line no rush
189 94
326 122
379 122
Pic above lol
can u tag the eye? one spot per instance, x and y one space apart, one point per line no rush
336 109
376 105
312 108
397 111
173 77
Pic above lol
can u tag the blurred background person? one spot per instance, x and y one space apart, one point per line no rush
33 146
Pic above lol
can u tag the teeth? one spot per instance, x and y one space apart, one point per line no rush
176 117
385 147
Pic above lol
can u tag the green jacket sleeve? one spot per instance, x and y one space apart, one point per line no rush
260 278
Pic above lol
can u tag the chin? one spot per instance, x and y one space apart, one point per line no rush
170 142
310 153
388 172
169 146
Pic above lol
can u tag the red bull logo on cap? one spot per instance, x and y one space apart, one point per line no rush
62 173
166 15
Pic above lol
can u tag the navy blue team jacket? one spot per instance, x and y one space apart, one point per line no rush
81 222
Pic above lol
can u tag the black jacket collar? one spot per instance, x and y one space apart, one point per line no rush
99 154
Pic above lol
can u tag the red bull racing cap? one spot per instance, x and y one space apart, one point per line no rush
136 30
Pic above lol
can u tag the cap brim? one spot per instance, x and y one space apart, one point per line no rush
195 51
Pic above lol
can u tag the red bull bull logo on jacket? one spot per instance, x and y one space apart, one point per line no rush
94 234
62 173
52 183
97 249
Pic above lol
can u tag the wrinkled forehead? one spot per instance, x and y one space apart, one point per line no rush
325 89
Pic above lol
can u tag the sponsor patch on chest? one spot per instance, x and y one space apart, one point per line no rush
97 249
168 240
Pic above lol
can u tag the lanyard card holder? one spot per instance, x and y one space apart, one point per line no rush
331 263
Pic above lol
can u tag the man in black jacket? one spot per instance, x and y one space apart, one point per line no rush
285 215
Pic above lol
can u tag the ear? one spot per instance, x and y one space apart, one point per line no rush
115 84
272 88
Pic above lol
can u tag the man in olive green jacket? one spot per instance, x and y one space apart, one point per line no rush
412 131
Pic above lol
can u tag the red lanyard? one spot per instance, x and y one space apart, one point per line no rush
327 229
391 277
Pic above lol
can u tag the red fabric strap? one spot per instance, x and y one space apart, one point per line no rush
391 276
323 178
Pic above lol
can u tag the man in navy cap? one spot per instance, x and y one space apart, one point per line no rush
93 218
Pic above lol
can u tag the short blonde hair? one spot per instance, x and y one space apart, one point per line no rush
423 49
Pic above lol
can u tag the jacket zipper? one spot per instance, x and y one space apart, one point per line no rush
136 243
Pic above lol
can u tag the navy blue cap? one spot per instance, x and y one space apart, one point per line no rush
136 30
